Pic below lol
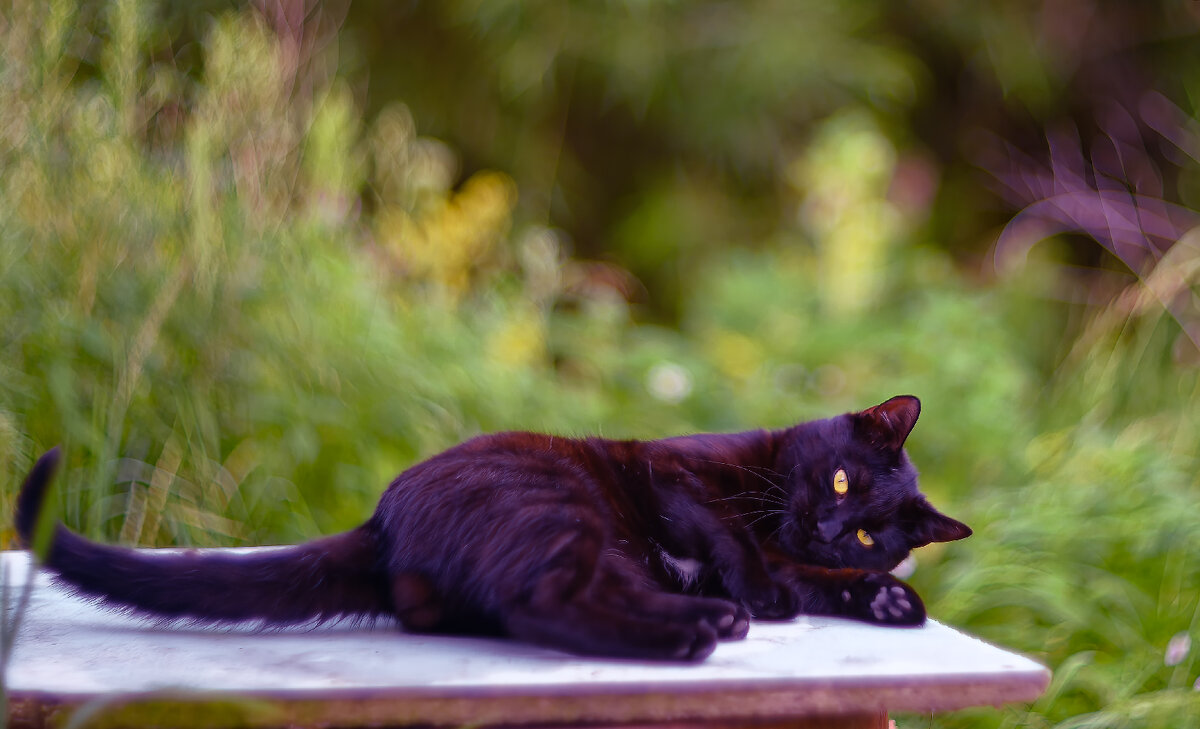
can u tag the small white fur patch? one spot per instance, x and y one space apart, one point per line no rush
685 569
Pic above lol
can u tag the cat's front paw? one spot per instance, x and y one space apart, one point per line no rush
772 601
881 598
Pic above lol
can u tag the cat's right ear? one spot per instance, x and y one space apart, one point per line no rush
888 424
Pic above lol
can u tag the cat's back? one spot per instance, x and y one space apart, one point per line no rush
499 466
491 497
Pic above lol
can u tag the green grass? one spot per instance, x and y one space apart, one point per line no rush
242 308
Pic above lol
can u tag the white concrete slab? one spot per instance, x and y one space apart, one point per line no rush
69 651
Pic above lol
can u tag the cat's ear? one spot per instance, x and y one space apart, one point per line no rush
926 524
888 424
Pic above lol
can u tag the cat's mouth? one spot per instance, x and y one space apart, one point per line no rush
809 545
824 555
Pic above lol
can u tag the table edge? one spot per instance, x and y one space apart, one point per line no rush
374 706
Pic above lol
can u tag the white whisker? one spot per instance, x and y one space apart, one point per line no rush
765 516
747 469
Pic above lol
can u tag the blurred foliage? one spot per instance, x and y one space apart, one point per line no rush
244 284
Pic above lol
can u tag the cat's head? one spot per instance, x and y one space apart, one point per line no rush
853 498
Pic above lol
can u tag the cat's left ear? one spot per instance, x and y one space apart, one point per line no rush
888 424
926 524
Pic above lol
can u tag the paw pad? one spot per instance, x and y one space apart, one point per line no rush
883 599
890 602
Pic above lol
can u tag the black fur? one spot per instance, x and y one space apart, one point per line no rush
653 549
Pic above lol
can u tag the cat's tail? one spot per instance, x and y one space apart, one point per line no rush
315 581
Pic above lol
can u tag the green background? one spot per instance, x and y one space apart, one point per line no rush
254 261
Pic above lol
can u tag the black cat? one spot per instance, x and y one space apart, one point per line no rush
652 549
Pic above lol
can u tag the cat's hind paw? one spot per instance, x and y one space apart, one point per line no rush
732 625
728 620
691 644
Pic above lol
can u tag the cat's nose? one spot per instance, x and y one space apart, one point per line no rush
829 529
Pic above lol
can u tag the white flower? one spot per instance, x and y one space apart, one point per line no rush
1177 649
669 382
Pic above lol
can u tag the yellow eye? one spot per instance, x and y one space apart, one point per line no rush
841 484
865 538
